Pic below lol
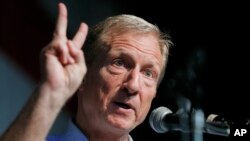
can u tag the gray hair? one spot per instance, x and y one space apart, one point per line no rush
99 36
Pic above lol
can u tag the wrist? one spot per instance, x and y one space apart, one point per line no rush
50 98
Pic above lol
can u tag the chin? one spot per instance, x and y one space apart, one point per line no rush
121 123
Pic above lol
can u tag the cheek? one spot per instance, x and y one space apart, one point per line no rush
146 101
110 82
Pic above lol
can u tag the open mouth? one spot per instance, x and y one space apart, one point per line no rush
122 105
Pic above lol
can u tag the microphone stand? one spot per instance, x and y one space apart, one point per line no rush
198 123
184 105
196 118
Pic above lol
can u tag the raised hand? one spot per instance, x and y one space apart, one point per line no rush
63 63
63 68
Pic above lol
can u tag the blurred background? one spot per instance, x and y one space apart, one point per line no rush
208 64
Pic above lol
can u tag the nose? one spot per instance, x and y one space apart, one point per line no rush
132 82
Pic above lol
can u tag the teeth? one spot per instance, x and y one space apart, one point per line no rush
125 106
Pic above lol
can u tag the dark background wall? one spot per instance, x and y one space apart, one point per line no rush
208 63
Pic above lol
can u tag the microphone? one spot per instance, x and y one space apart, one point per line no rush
219 125
163 120
216 119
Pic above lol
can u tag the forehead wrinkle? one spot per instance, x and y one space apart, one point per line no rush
126 43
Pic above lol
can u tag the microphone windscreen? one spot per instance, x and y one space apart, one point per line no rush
156 119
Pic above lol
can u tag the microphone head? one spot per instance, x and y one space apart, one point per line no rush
211 117
156 119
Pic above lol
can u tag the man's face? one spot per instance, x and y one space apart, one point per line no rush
119 87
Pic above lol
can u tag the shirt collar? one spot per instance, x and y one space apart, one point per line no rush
73 133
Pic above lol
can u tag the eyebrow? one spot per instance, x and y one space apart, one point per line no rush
150 63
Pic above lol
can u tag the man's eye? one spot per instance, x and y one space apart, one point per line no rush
148 73
119 63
